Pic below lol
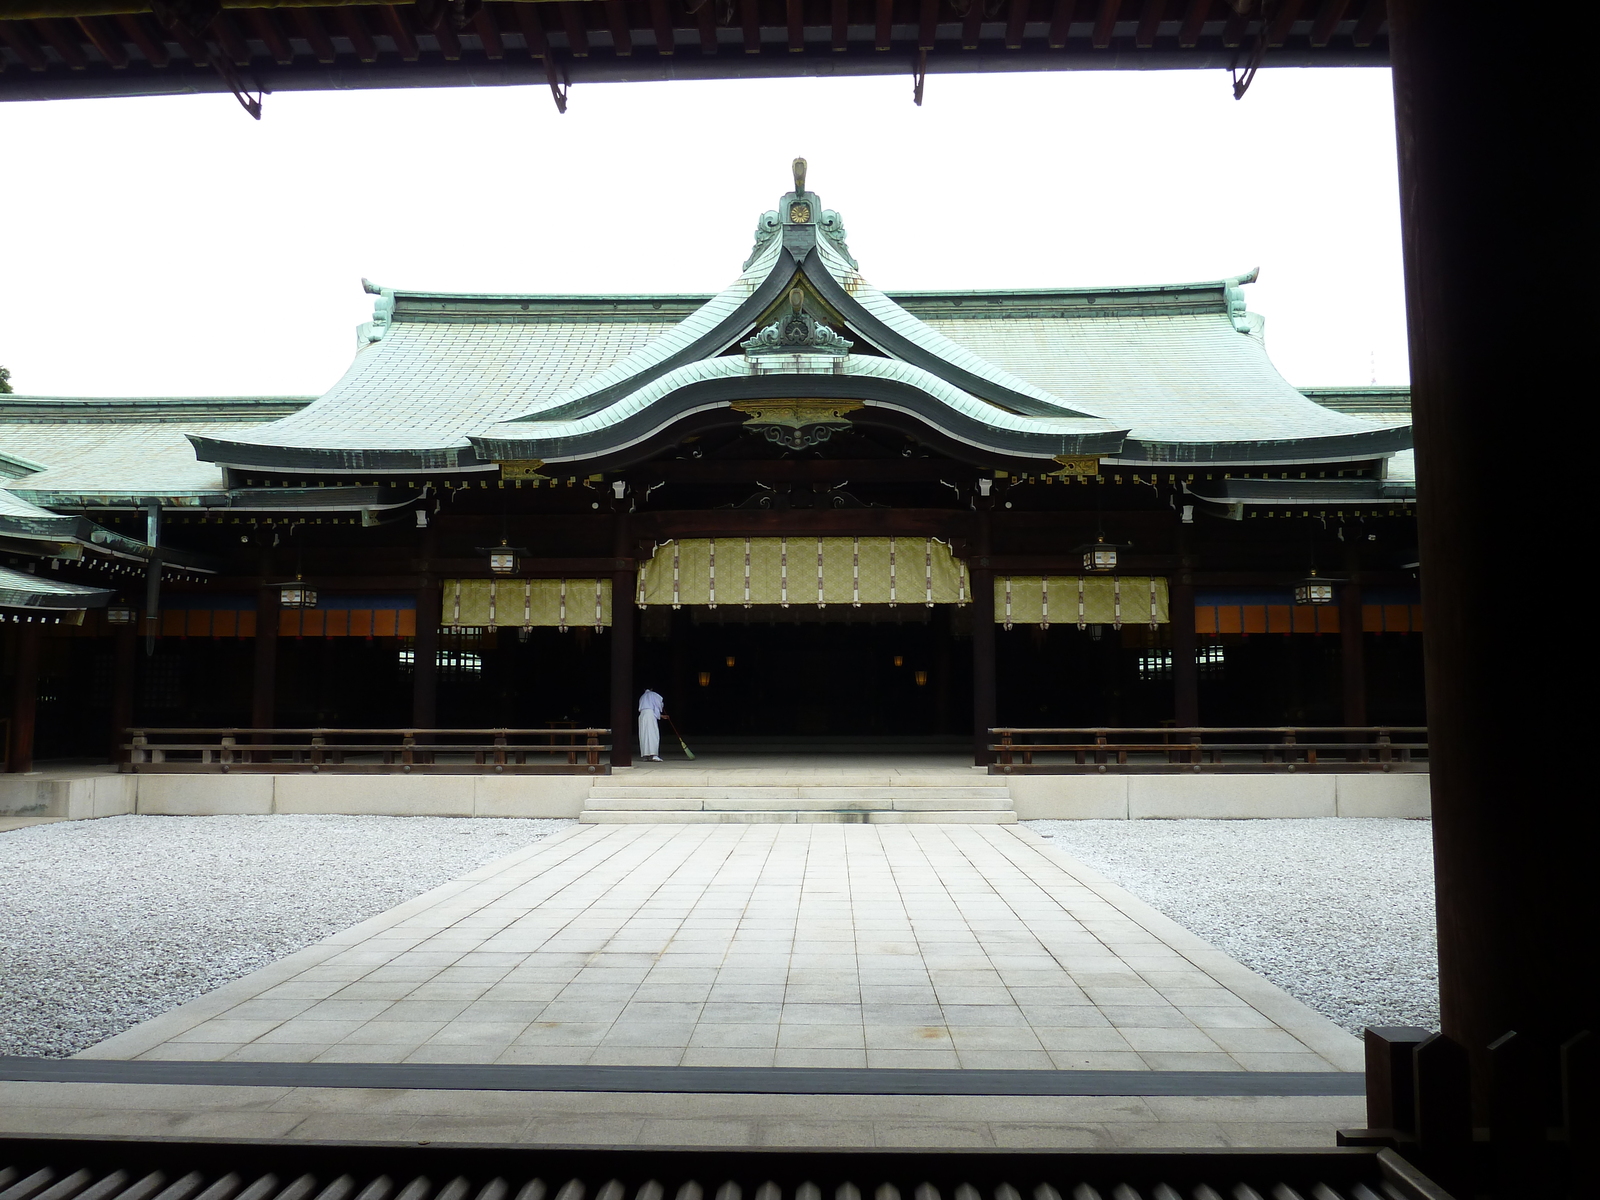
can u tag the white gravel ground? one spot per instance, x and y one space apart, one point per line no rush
1338 913
107 923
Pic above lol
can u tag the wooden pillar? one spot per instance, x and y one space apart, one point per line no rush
1352 657
1493 201
1185 672
264 685
425 657
25 697
624 585
124 658
984 708
425 645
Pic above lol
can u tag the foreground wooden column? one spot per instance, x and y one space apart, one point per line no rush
1352 652
25 698
984 707
264 684
1493 203
425 658
1185 673
624 584
124 657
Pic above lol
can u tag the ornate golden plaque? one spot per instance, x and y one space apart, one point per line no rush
524 468
1073 465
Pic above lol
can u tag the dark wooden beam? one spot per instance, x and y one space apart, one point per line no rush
623 589
449 43
972 24
841 24
1326 21
124 667
532 29
882 37
1105 23
1282 22
661 21
1371 19
1234 26
705 17
152 46
104 39
845 522
572 22
1061 24
63 39
309 26
1016 22
794 12
1194 19
617 22
983 665
818 470
264 681
494 49
265 26
927 24
229 39
1149 23
354 26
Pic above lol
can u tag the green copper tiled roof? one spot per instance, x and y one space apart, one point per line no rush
41 593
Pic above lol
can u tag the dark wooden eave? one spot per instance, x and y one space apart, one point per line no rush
59 49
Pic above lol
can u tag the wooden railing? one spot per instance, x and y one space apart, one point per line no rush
1239 750
561 751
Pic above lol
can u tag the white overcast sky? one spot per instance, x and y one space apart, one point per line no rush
172 246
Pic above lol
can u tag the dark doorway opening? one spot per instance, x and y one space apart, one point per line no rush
875 678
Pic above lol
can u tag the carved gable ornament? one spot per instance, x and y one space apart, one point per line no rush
796 332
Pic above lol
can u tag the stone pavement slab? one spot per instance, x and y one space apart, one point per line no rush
762 946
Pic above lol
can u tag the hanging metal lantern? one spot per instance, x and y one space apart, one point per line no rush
1100 555
121 615
503 559
922 678
705 678
296 595
1314 590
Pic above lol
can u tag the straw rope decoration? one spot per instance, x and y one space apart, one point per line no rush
713 551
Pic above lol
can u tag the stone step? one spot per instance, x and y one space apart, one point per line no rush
610 791
902 803
795 817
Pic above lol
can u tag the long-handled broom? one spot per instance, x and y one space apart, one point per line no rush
687 753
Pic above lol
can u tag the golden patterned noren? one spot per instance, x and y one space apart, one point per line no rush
799 213
521 468
1078 464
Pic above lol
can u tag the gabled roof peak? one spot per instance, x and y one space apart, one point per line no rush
798 219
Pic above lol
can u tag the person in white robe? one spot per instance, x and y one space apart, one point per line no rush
650 714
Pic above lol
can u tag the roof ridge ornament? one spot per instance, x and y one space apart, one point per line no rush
798 218
797 332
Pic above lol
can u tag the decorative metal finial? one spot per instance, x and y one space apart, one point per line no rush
799 175
797 300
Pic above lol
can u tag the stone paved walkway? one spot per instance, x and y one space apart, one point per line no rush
763 945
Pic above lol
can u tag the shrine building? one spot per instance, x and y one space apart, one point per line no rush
812 514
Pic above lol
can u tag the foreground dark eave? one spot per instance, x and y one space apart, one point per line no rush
57 49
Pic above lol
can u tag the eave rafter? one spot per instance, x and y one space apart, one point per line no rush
71 48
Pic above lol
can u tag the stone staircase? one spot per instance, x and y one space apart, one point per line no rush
791 797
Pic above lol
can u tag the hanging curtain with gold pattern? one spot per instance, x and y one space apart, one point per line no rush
527 603
1080 600
803 570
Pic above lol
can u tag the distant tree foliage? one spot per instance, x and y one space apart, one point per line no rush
5 381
